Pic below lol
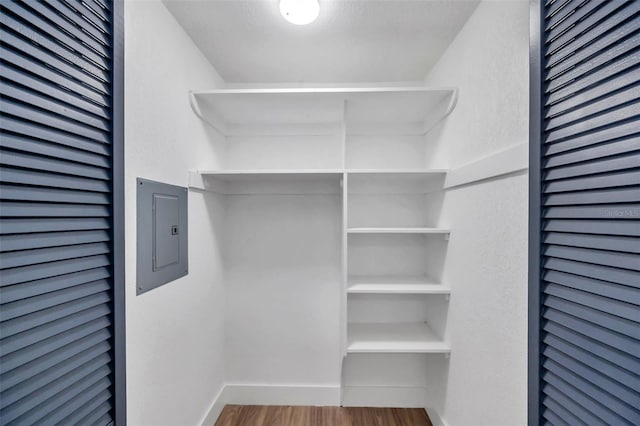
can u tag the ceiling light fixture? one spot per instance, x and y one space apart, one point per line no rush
300 12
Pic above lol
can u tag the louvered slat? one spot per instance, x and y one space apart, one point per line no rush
591 345
85 33
592 27
55 342
45 133
35 288
56 212
601 272
37 54
573 12
623 146
31 20
99 340
588 359
21 225
45 301
81 390
23 331
36 272
52 180
605 180
615 82
40 381
594 286
54 47
27 64
579 372
589 354
613 243
27 145
572 412
98 9
58 239
45 103
40 86
610 227
592 411
623 67
585 210
36 162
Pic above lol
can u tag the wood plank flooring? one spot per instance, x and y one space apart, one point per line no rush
267 415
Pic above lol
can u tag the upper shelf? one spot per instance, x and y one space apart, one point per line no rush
323 110
389 230
319 181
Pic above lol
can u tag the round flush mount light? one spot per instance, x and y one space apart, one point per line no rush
300 12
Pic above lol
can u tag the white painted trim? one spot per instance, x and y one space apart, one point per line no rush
265 394
216 408
510 160
436 419
384 396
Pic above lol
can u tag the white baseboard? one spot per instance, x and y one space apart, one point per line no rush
216 408
383 396
435 418
263 394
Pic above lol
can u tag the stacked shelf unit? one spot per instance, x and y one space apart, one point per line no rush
367 146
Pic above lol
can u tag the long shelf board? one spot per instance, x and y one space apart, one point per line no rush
398 171
393 338
394 285
246 111
314 180
433 231
239 175
326 90
235 172
398 289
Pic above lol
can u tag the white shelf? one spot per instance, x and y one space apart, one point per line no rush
319 110
394 285
261 173
266 174
398 171
424 231
364 181
393 338
302 181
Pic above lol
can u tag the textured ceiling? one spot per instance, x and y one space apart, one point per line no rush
351 41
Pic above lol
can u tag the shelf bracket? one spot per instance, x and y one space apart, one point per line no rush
216 125
196 181
450 106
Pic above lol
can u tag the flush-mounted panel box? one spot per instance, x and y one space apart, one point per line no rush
162 234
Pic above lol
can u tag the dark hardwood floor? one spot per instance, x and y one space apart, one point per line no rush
263 415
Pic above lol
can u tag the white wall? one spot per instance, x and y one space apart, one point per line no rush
175 336
283 288
486 263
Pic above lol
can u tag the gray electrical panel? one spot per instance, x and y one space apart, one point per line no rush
162 234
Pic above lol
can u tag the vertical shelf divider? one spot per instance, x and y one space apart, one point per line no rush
345 272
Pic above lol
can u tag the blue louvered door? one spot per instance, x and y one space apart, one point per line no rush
585 201
60 143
